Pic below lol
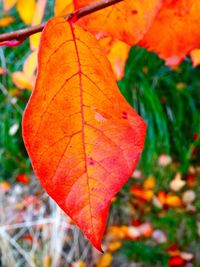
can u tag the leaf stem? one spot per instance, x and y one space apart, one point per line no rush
24 33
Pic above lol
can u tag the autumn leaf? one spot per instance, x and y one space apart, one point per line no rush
83 138
135 18
195 56
5 21
8 4
25 79
117 53
175 30
37 19
63 7
21 81
26 9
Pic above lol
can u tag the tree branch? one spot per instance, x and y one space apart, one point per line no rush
22 34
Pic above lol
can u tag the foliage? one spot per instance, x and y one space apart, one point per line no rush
169 102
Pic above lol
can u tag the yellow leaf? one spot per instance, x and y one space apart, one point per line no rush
37 19
25 79
104 260
149 183
26 10
34 41
117 57
5 21
21 81
30 65
116 232
8 4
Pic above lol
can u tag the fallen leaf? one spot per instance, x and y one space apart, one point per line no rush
83 138
149 182
173 201
105 260
26 9
176 261
116 232
145 195
113 246
135 19
175 31
22 178
162 196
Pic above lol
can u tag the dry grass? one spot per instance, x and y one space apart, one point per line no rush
35 232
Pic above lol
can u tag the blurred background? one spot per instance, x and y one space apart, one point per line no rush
155 218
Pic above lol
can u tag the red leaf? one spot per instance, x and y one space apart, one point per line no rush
83 138
175 30
126 21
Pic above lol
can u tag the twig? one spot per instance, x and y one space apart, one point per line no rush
22 34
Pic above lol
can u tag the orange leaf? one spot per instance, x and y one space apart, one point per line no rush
175 31
26 9
83 138
135 18
5 21
63 7
173 201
